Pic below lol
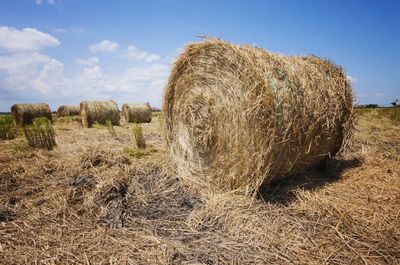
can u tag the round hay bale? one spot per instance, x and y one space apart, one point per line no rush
100 112
24 113
137 113
239 116
64 111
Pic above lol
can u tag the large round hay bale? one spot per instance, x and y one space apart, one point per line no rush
25 113
137 113
100 112
64 111
237 116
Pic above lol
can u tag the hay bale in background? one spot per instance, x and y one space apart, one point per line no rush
24 113
64 111
100 112
237 116
137 113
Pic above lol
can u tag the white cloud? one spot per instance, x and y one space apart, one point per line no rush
60 30
104 46
146 73
34 76
135 79
136 84
51 2
29 75
28 39
352 79
38 77
49 77
92 72
139 55
379 95
16 62
29 72
89 62
141 83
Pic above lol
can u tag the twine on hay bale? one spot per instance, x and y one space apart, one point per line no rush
137 113
100 112
237 116
24 113
64 111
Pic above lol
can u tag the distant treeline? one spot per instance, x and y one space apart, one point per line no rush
371 106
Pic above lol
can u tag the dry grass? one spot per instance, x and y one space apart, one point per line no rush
138 136
68 119
237 116
8 130
393 114
139 152
87 202
40 134
111 129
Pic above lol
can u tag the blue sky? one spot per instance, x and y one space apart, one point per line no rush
65 51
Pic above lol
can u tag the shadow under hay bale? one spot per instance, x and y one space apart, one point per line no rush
64 111
24 113
284 191
239 116
137 113
100 112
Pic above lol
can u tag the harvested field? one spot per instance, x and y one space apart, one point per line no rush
89 202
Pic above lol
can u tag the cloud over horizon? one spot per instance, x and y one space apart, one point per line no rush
27 74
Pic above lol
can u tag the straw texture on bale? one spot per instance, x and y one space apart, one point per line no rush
239 116
100 112
24 113
137 113
64 111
